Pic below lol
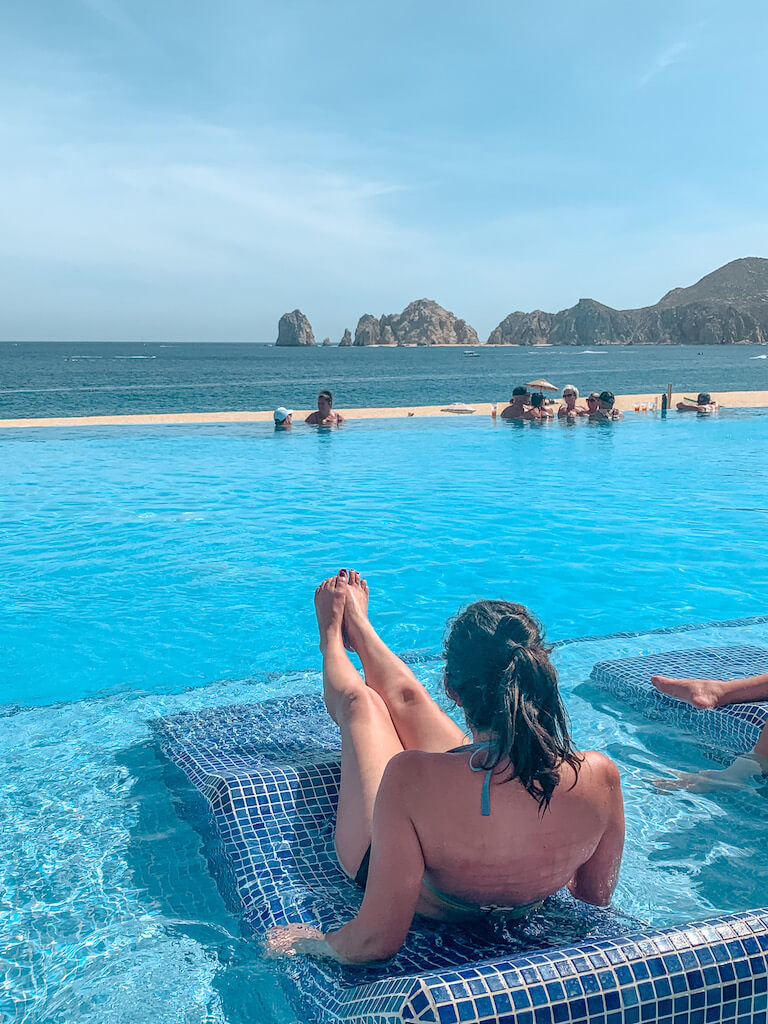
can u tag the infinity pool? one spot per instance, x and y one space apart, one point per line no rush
146 571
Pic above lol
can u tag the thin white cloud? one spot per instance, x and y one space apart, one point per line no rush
667 58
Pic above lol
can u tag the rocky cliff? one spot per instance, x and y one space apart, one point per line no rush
346 339
727 307
294 329
423 322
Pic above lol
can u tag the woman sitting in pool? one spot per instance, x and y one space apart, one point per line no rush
432 823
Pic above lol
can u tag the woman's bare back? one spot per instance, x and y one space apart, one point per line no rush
517 854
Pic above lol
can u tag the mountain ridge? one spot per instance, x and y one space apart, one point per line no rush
728 306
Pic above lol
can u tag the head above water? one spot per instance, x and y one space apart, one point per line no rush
497 667
569 391
519 392
537 399
703 398
607 398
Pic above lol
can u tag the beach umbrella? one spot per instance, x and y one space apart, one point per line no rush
541 385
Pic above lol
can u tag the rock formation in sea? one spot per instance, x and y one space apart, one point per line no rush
423 322
727 307
346 339
367 331
326 341
294 330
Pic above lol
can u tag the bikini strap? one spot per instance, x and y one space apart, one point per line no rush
485 796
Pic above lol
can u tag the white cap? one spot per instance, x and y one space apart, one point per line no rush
281 413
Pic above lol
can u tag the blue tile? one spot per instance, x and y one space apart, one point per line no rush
538 995
629 997
502 1002
484 1006
578 1008
555 991
520 998
447 1013
466 1010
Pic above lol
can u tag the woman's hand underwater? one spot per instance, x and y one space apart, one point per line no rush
302 939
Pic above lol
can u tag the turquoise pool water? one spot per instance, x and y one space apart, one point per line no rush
149 571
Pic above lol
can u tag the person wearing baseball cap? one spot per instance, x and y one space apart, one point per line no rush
606 409
283 418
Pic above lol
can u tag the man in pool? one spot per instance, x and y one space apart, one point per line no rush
519 404
325 416
593 401
716 693
606 408
430 822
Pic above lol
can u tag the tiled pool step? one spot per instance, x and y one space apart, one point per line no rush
734 729
269 776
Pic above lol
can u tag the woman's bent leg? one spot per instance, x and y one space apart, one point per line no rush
368 737
420 723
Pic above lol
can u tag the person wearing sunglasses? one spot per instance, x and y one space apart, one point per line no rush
569 409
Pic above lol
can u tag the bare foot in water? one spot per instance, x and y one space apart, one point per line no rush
330 598
356 621
702 693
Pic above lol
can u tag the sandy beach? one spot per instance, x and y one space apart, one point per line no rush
726 399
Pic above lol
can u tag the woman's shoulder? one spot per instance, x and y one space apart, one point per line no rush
599 766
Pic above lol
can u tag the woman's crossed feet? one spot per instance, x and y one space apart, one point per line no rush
341 607
702 693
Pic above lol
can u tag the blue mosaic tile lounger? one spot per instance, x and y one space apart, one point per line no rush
729 730
268 776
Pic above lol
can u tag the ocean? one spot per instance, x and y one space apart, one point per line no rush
39 379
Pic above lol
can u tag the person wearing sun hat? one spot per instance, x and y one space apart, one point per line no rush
283 418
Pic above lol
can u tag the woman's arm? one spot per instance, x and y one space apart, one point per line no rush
394 876
394 882
596 879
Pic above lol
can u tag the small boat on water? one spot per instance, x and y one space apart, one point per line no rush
470 352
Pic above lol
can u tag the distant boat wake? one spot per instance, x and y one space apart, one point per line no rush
758 357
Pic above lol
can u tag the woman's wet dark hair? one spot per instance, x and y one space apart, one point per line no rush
497 666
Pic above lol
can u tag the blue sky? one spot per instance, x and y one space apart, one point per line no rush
186 170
